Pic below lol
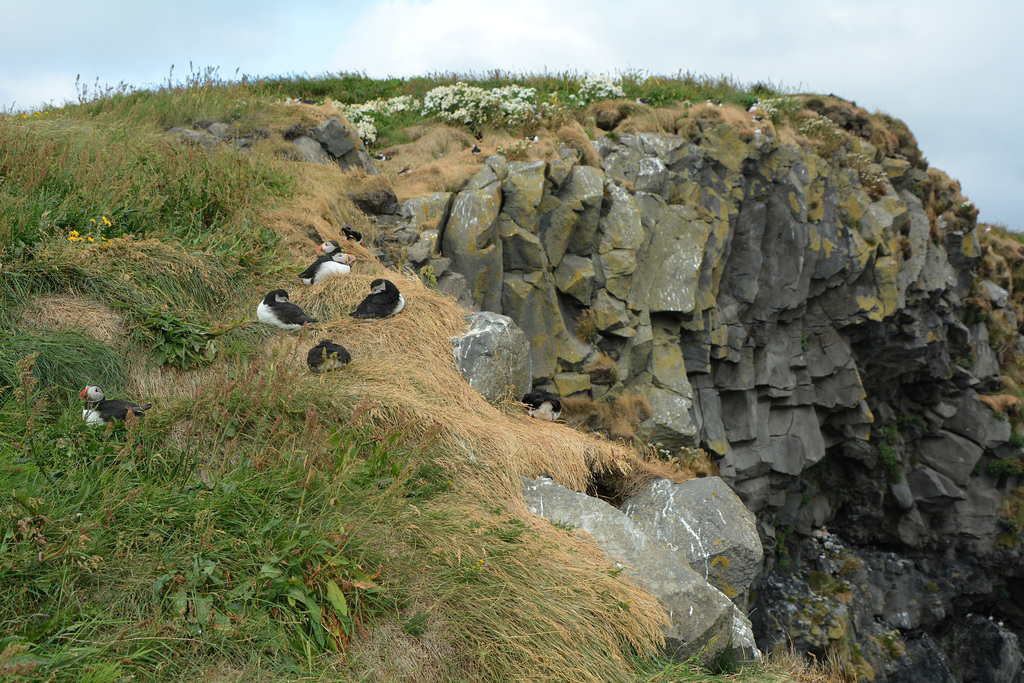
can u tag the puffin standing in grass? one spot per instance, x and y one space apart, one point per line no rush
327 356
276 310
98 410
543 405
383 301
328 265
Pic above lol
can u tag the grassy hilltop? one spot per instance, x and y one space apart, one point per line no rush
261 522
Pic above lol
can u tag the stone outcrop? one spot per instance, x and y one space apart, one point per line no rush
702 619
708 524
494 356
805 328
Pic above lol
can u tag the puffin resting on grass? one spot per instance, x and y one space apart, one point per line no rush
383 301
543 405
327 356
276 310
98 410
328 265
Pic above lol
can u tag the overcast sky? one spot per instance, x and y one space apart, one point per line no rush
952 70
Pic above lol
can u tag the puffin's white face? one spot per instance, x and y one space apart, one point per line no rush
345 259
377 289
281 299
92 393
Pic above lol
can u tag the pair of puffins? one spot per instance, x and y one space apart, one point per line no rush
383 301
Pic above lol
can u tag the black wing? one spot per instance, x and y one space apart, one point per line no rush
308 273
375 306
537 397
291 314
118 410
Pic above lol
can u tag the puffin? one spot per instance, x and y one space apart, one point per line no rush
532 138
352 234
328 265
476 150
275 309
383 301
543 405
327 356
329 247
98 410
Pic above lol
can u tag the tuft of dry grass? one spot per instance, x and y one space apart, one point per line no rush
574 137
67 312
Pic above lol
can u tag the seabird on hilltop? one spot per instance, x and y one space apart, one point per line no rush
383 301
276 310
329 265
543 405
379 156
327 356
476 150
532 138
98 410
405 171
351 234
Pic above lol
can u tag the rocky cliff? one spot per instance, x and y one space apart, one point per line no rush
801 317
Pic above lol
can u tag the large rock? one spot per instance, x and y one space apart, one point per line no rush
531 300
701 616
471 241
494 356
343 145
708 523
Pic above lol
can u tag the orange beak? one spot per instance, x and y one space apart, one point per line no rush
349 259
82 394
320 249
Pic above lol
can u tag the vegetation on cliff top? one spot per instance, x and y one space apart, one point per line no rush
261 523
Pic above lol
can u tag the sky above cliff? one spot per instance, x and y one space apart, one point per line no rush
951 70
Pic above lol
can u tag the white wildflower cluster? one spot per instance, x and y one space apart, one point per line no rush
823 130
779 108
364 116
596 87
470 105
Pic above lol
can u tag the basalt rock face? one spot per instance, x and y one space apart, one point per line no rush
808 333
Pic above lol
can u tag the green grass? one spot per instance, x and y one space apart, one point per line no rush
66 361
249 554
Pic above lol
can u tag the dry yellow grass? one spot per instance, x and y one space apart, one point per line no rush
406 362
574 137
65 312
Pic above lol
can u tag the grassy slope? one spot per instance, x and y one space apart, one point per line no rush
262 523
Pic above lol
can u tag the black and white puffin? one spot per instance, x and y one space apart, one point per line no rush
99 411
327 356
356 237
383 301
476 150
543 405
275 309
328 265
532 138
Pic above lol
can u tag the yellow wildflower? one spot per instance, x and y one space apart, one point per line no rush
91 239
